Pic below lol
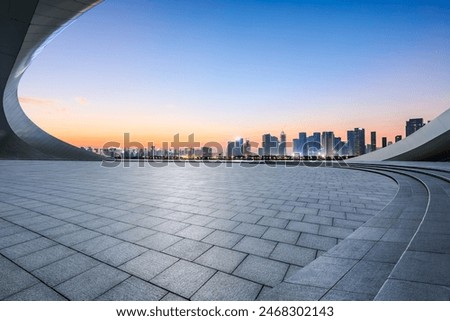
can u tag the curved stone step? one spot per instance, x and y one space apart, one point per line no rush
377 255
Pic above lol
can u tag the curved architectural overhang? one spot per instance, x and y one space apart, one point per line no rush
27 26
429 143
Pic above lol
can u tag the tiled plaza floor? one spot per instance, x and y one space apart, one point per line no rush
79 231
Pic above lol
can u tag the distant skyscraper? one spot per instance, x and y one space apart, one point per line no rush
206 152
282 148
398 138
316 137
235 148
360 142
328 143
296 146
338 146
414 124
247 148
383 142
350 142
270 145
302 139
373 141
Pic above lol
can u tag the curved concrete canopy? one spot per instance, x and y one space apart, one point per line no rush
26 27
429 143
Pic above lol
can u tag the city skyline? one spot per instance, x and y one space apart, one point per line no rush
221 70
323 144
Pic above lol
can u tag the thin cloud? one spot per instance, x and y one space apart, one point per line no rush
44 104
82 100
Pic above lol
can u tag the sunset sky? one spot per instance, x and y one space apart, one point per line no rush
223 69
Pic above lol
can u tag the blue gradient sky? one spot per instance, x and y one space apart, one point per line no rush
222 69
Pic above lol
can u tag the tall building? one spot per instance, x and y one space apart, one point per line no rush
247 148
373 141
383 142
282 147
235 148
350 142
398 138
296 146
338 146
206 152
360 142
316 137
270 145
302 139
413 125
328 143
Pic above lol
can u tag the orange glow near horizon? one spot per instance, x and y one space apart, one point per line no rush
67 122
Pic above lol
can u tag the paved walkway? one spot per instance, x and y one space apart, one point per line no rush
402 253
78 231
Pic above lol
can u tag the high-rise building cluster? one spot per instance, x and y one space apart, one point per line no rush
325 144
319 144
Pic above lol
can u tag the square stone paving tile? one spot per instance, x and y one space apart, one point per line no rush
76 237
150 221
149 264
159 241
225 287
261 270
223 214
38 292
247 218
255 246
133 289
398 290
388 252
224 239
195 232
92 283
368 233
250 229
281 235
425 267
60 230
273 221
120 253
44 257
135 234
27 247
293 254
17 238
303 227
221 224
97 223
188 249
183 278
201 220
172 297
316 241
13 278
323 272
97 244
334 231
351 248
291 292
170 227
365 277
334 295
62 270
115 228
221 259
